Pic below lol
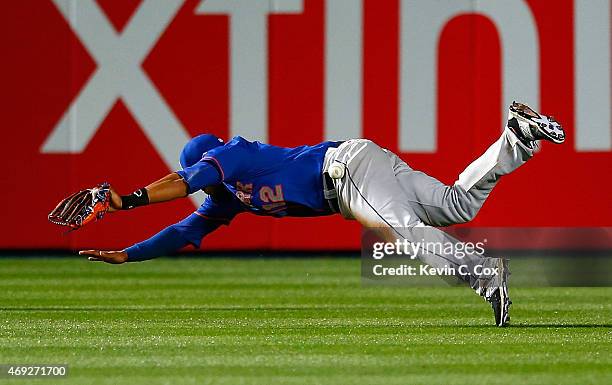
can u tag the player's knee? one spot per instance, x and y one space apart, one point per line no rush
462 204
465 214
462 212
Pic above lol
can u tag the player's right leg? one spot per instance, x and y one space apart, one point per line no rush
438 204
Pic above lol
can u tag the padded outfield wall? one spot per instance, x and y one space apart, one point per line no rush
111 90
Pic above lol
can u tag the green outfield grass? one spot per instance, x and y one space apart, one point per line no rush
294 321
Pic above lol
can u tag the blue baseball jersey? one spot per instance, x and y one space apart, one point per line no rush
262 179
243 176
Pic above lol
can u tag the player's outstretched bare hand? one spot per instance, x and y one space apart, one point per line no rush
114 257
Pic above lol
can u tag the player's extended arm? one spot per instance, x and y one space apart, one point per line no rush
190 230
170 187
175 185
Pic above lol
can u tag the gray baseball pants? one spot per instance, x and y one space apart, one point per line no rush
382 192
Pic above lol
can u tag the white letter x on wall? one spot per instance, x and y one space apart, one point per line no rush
118 75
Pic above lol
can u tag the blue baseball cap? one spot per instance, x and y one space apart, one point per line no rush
195 149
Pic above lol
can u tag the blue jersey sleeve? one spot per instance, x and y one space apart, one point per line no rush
190 231
200 175
231 159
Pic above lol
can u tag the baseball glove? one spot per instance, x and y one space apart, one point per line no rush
82 207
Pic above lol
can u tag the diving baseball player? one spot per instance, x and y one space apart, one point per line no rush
355 178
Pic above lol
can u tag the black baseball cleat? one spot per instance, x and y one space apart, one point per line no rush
494 289
530 126
500 302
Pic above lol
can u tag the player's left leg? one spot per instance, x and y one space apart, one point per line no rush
368 190
438 204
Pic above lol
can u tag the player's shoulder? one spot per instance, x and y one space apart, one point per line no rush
234 158
233 145
237 142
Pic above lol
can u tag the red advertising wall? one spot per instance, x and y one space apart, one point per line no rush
46 66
